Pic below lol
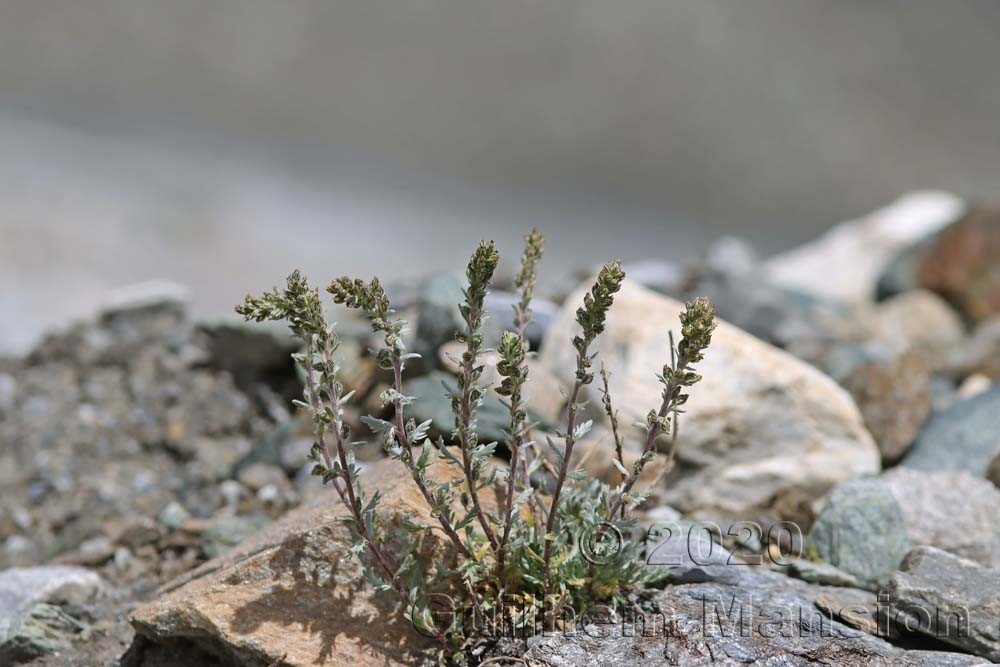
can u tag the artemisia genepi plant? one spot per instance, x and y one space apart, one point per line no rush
540 553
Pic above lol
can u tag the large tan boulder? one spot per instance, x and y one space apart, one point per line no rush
292 595
761 423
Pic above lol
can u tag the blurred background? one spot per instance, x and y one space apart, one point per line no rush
220 144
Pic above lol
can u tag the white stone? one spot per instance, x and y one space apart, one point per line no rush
845 263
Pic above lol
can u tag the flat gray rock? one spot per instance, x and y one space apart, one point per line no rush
773 623
950 510
964 437
949 598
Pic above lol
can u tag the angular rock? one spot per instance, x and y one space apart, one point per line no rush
761 422
771 621
861 531
845 263
892 388
950 510
949 598
964 437
290 595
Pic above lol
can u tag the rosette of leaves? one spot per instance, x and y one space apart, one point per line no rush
554 549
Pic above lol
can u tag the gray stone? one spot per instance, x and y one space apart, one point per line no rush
29 625
432 403
173 515
499 305
821 573
22 587
964 437
685 552
861 531
658 275
438 316
980 353
771 621
949 598
856 608
227 532
41 630
760 423
950 510
778 315
249 349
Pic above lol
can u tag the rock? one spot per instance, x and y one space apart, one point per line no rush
993 470
760 423
500 306
845 263
291 595
973 386
964 437
981 352
30 624
227 532
856 608
685 552
41 630
250 351
258 475
861 531
962 263
22 587
949 598
173 515
542 391
923 321
152 295
432 403
950 510
438 316
821 573
892 388
771 620
658 275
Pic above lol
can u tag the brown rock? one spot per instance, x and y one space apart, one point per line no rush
290 595
893 393
963 264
